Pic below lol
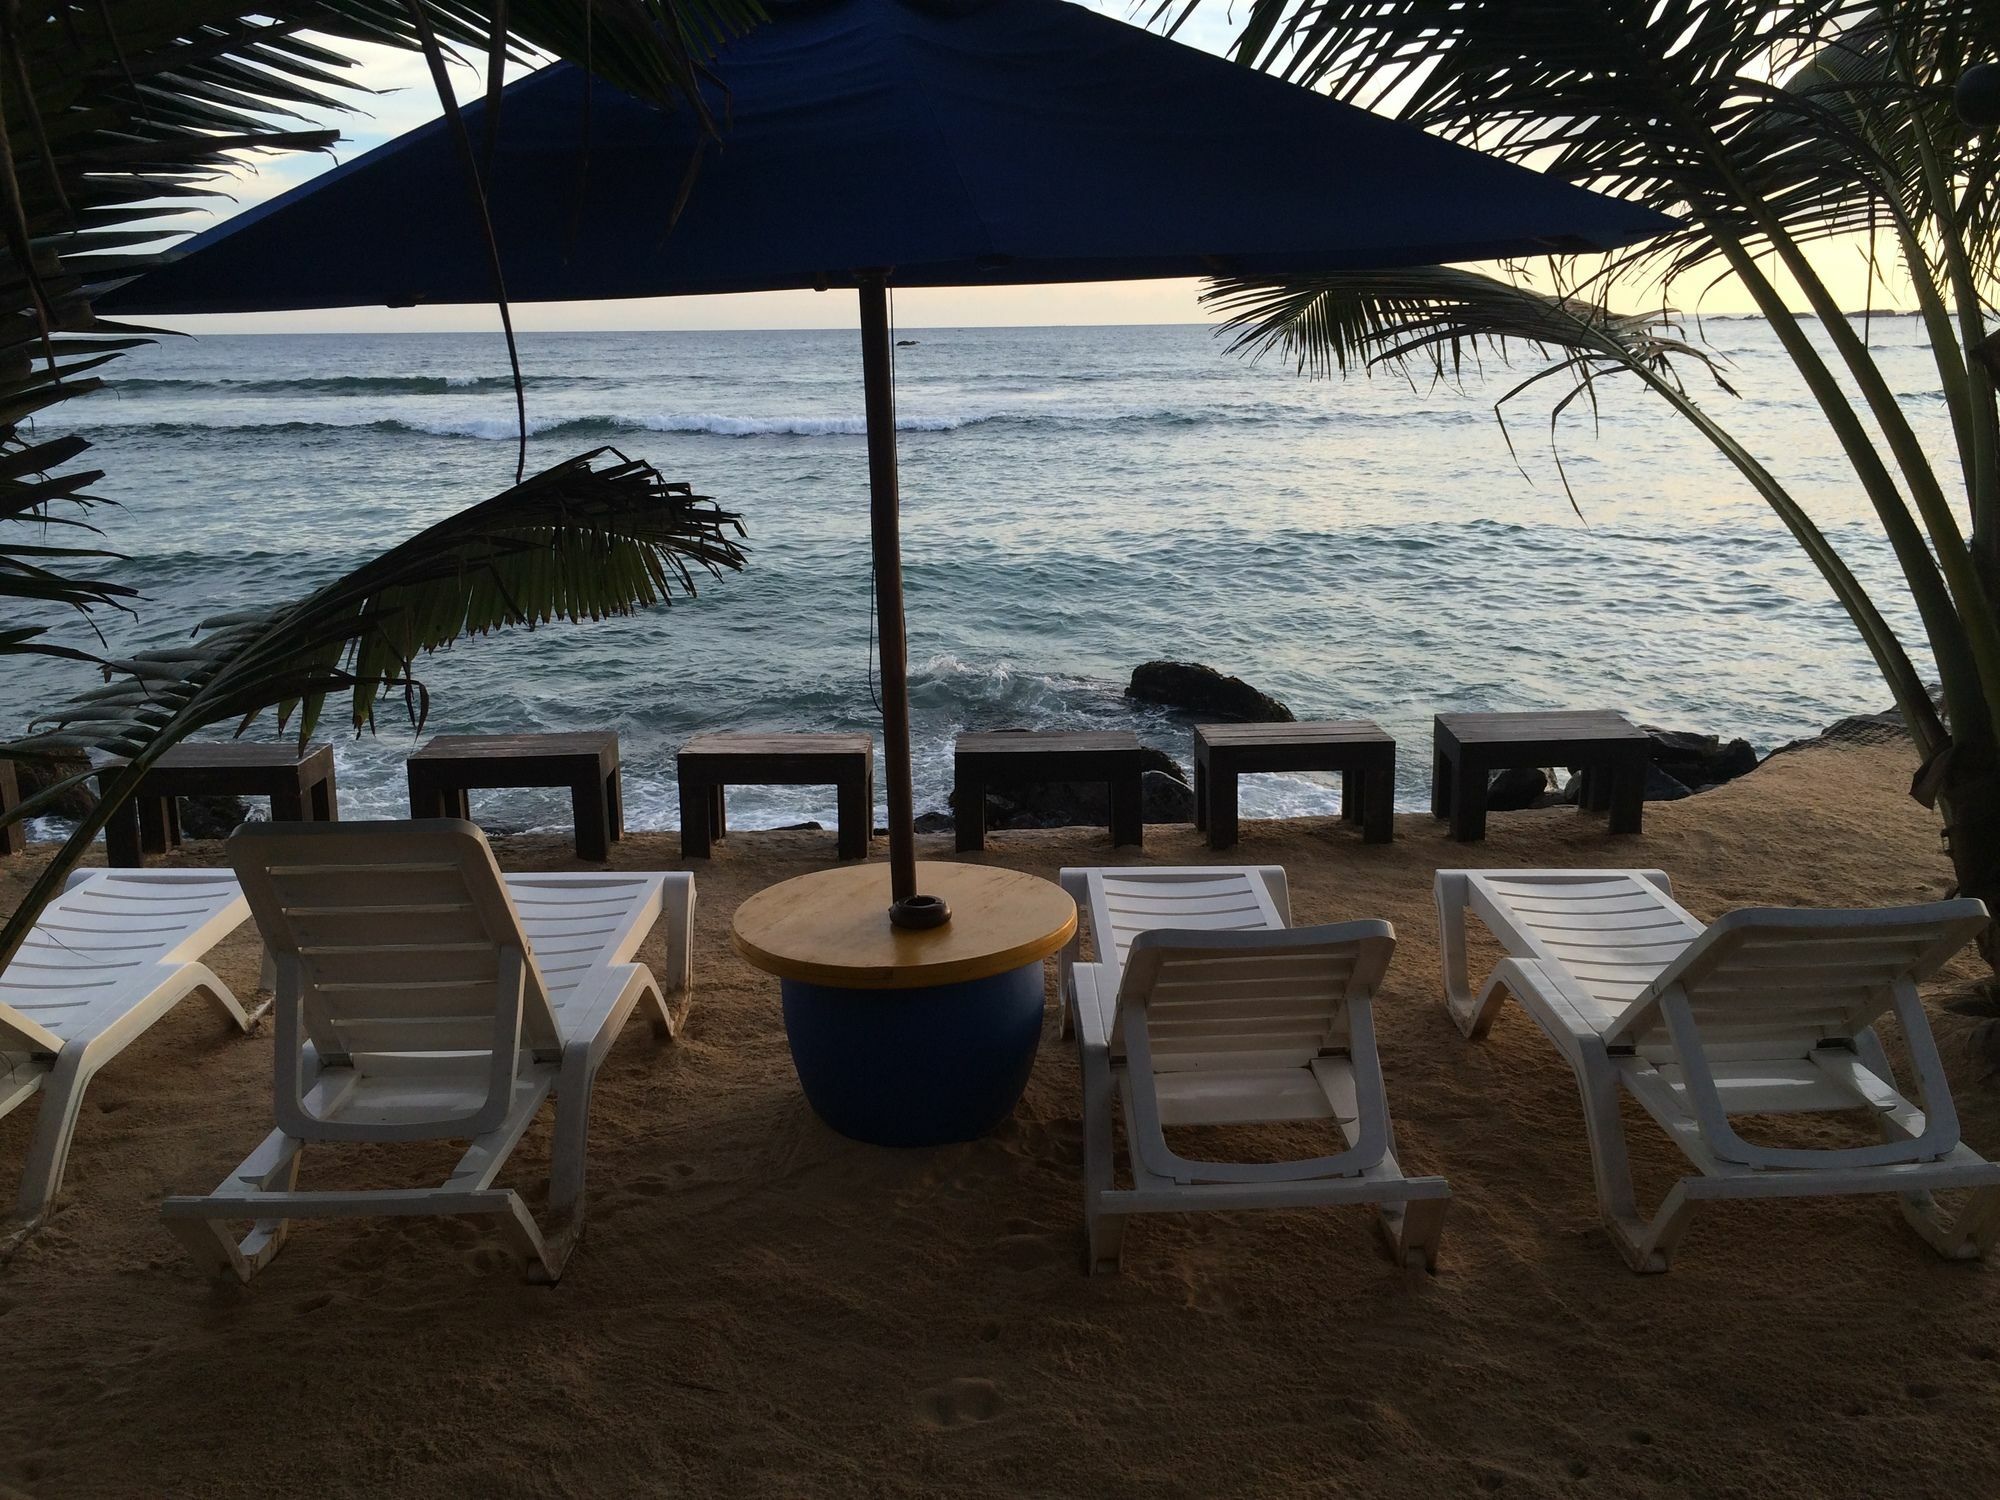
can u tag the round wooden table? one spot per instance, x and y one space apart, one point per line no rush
900 1037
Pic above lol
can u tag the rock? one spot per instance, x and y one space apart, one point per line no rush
212 817
1205 693
805 827
45 771
1857 729
1548 799
1700 759
1166 799
1660 787
931 821
1510 791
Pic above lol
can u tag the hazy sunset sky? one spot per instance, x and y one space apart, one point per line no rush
405 99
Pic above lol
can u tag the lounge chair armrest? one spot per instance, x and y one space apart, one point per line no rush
1093 990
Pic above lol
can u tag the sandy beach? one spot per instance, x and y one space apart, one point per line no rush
761 1307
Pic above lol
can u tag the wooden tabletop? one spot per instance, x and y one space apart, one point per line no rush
1309 731
515 746
230 754
1556 724
1004 741
832 927
779 744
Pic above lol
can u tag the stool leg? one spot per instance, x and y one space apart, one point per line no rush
1128 809
695 813
1441 784
1628 796
288 804
121 837
325 805
856 817
590 811
718 812
1468 800
1350 796
1223 786
156 824
426 800
969 812
1378 804
614 798
1200 794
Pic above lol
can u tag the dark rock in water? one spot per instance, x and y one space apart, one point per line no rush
906 343
1165 799
1700 759
45 771
1572 790
212 817
1068 804
1512 790
1660 787
1205 693
1548 799
932 821
806 827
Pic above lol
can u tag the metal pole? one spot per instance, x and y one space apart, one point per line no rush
907 908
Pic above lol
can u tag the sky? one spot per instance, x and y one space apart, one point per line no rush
403 99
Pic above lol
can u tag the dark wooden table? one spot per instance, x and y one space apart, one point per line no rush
451 765
13 836
1013 758
710 762
299 784
1359 749
1606 747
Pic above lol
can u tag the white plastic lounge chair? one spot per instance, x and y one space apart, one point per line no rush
1766 1011
113 953
423 996
1206 1008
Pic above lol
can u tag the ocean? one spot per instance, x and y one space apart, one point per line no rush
1076 501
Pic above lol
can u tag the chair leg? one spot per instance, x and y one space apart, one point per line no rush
55 1127
1451 894
1645 1245
1104 1232
1969 1237
1414 1230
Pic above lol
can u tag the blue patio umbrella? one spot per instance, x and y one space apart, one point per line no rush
865 143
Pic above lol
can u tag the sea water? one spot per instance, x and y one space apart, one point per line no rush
1075 501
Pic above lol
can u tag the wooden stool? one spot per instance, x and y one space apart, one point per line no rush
299 784
1364 755
710 762
1011 757
451 765
13 836
1610 751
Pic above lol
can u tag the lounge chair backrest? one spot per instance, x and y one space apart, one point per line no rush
1193 899
394 938
1259 999
1779 974
99 945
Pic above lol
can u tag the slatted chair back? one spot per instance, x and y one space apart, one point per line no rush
395 943
1192 899
1793 976
96 950
1247 1001
1612 931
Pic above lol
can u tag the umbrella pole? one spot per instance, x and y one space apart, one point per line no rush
907 908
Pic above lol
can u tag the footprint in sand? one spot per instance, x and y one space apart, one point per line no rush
964 1402
313 1303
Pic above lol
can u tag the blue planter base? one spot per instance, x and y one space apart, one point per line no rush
917 1067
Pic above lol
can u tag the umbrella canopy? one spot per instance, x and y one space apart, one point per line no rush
864 142
948 142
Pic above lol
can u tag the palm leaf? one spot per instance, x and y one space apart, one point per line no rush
595 536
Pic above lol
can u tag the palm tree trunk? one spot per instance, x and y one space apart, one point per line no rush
1968 799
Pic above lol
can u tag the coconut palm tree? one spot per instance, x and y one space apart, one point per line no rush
118 118
1766 128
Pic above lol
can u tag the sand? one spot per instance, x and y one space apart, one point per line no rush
762 1307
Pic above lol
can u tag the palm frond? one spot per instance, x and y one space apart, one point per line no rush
595 536
118 118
